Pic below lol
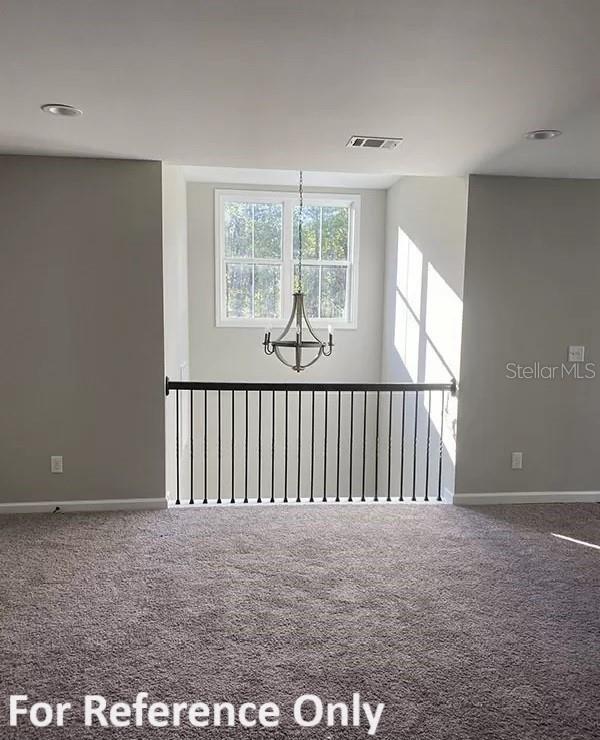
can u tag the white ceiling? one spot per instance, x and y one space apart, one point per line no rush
283 84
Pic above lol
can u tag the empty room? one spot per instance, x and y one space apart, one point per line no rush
300 318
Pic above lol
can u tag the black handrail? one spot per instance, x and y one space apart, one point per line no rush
196 385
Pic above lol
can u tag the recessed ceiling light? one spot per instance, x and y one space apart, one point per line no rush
543 134
60 109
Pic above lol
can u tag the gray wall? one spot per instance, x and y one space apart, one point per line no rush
82 329
234 354
531 289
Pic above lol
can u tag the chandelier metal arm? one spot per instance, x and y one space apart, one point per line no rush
281 358
312 362
288 325
304 343
308 324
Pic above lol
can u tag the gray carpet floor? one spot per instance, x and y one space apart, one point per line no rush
468 623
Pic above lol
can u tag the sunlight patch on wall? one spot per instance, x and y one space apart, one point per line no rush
427 334
406 338
409 278
409 273
443 322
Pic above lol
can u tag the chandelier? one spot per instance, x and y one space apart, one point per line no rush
298 337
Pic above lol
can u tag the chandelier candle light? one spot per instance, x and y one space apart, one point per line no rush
294 337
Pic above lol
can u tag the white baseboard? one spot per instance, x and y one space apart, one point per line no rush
526 497
109 504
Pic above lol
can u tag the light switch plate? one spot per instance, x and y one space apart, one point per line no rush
516 460
56 464
576 353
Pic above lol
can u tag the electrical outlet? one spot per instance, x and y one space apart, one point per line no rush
56 464
576 353
517 460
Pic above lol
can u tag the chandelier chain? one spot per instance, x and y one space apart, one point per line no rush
300 219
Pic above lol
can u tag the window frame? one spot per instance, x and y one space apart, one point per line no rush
289 199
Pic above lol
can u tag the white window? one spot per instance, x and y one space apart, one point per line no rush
257 257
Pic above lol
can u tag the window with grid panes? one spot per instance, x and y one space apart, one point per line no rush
257 257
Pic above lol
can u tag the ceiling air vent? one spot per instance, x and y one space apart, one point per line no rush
372 142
